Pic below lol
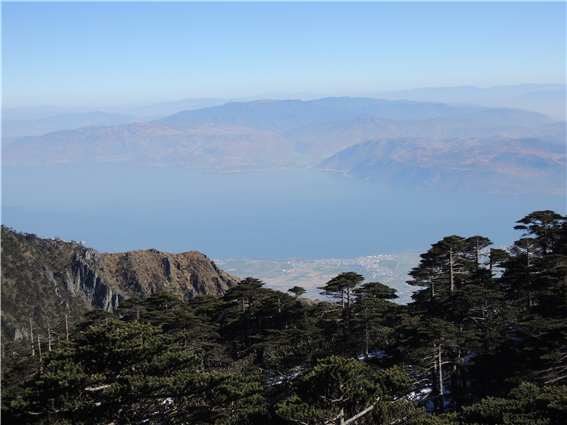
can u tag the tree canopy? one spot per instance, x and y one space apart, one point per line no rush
484 341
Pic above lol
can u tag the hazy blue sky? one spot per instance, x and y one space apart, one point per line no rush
109 53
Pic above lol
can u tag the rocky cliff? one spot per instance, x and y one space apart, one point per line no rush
47 282
141 273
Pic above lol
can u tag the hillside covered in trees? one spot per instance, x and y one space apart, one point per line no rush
484 341
49 284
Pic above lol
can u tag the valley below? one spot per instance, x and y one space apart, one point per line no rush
389 269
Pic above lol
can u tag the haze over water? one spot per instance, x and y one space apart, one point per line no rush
265 215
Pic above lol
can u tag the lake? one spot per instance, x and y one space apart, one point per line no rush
114 207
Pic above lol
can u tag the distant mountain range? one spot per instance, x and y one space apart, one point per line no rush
495 164
14 128
276 134
462 94
548 99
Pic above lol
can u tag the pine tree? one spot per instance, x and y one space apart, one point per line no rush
458 298
341 286
125 372
297 291
526 404
544 225
343 391
370 310
246 292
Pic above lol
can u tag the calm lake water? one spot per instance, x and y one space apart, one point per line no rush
265 215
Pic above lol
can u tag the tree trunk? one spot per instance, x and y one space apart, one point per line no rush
440 380
529 277
451 277
436 380
455 389
366 330
31 338
48 337
432 287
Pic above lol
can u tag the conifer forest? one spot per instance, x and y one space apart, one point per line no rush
484 341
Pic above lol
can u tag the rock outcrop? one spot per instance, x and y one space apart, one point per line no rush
167 267
140 273
88 284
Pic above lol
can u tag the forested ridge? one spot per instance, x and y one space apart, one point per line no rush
484 341
48 284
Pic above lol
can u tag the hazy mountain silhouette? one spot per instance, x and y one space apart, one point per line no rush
41 126
494 165
268 134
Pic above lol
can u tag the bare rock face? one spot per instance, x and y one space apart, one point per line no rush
93 255
48 275
89 285
20 334
167 267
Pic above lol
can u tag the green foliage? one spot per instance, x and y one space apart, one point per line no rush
297 291
527 404
340 390
482 322
246 292
544 225
424 419
367 325
341 286
131 371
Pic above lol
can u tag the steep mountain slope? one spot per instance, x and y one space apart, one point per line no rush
45 279
494 165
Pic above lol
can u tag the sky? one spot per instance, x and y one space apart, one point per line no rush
73 54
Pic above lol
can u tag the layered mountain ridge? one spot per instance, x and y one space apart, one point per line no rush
284 134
